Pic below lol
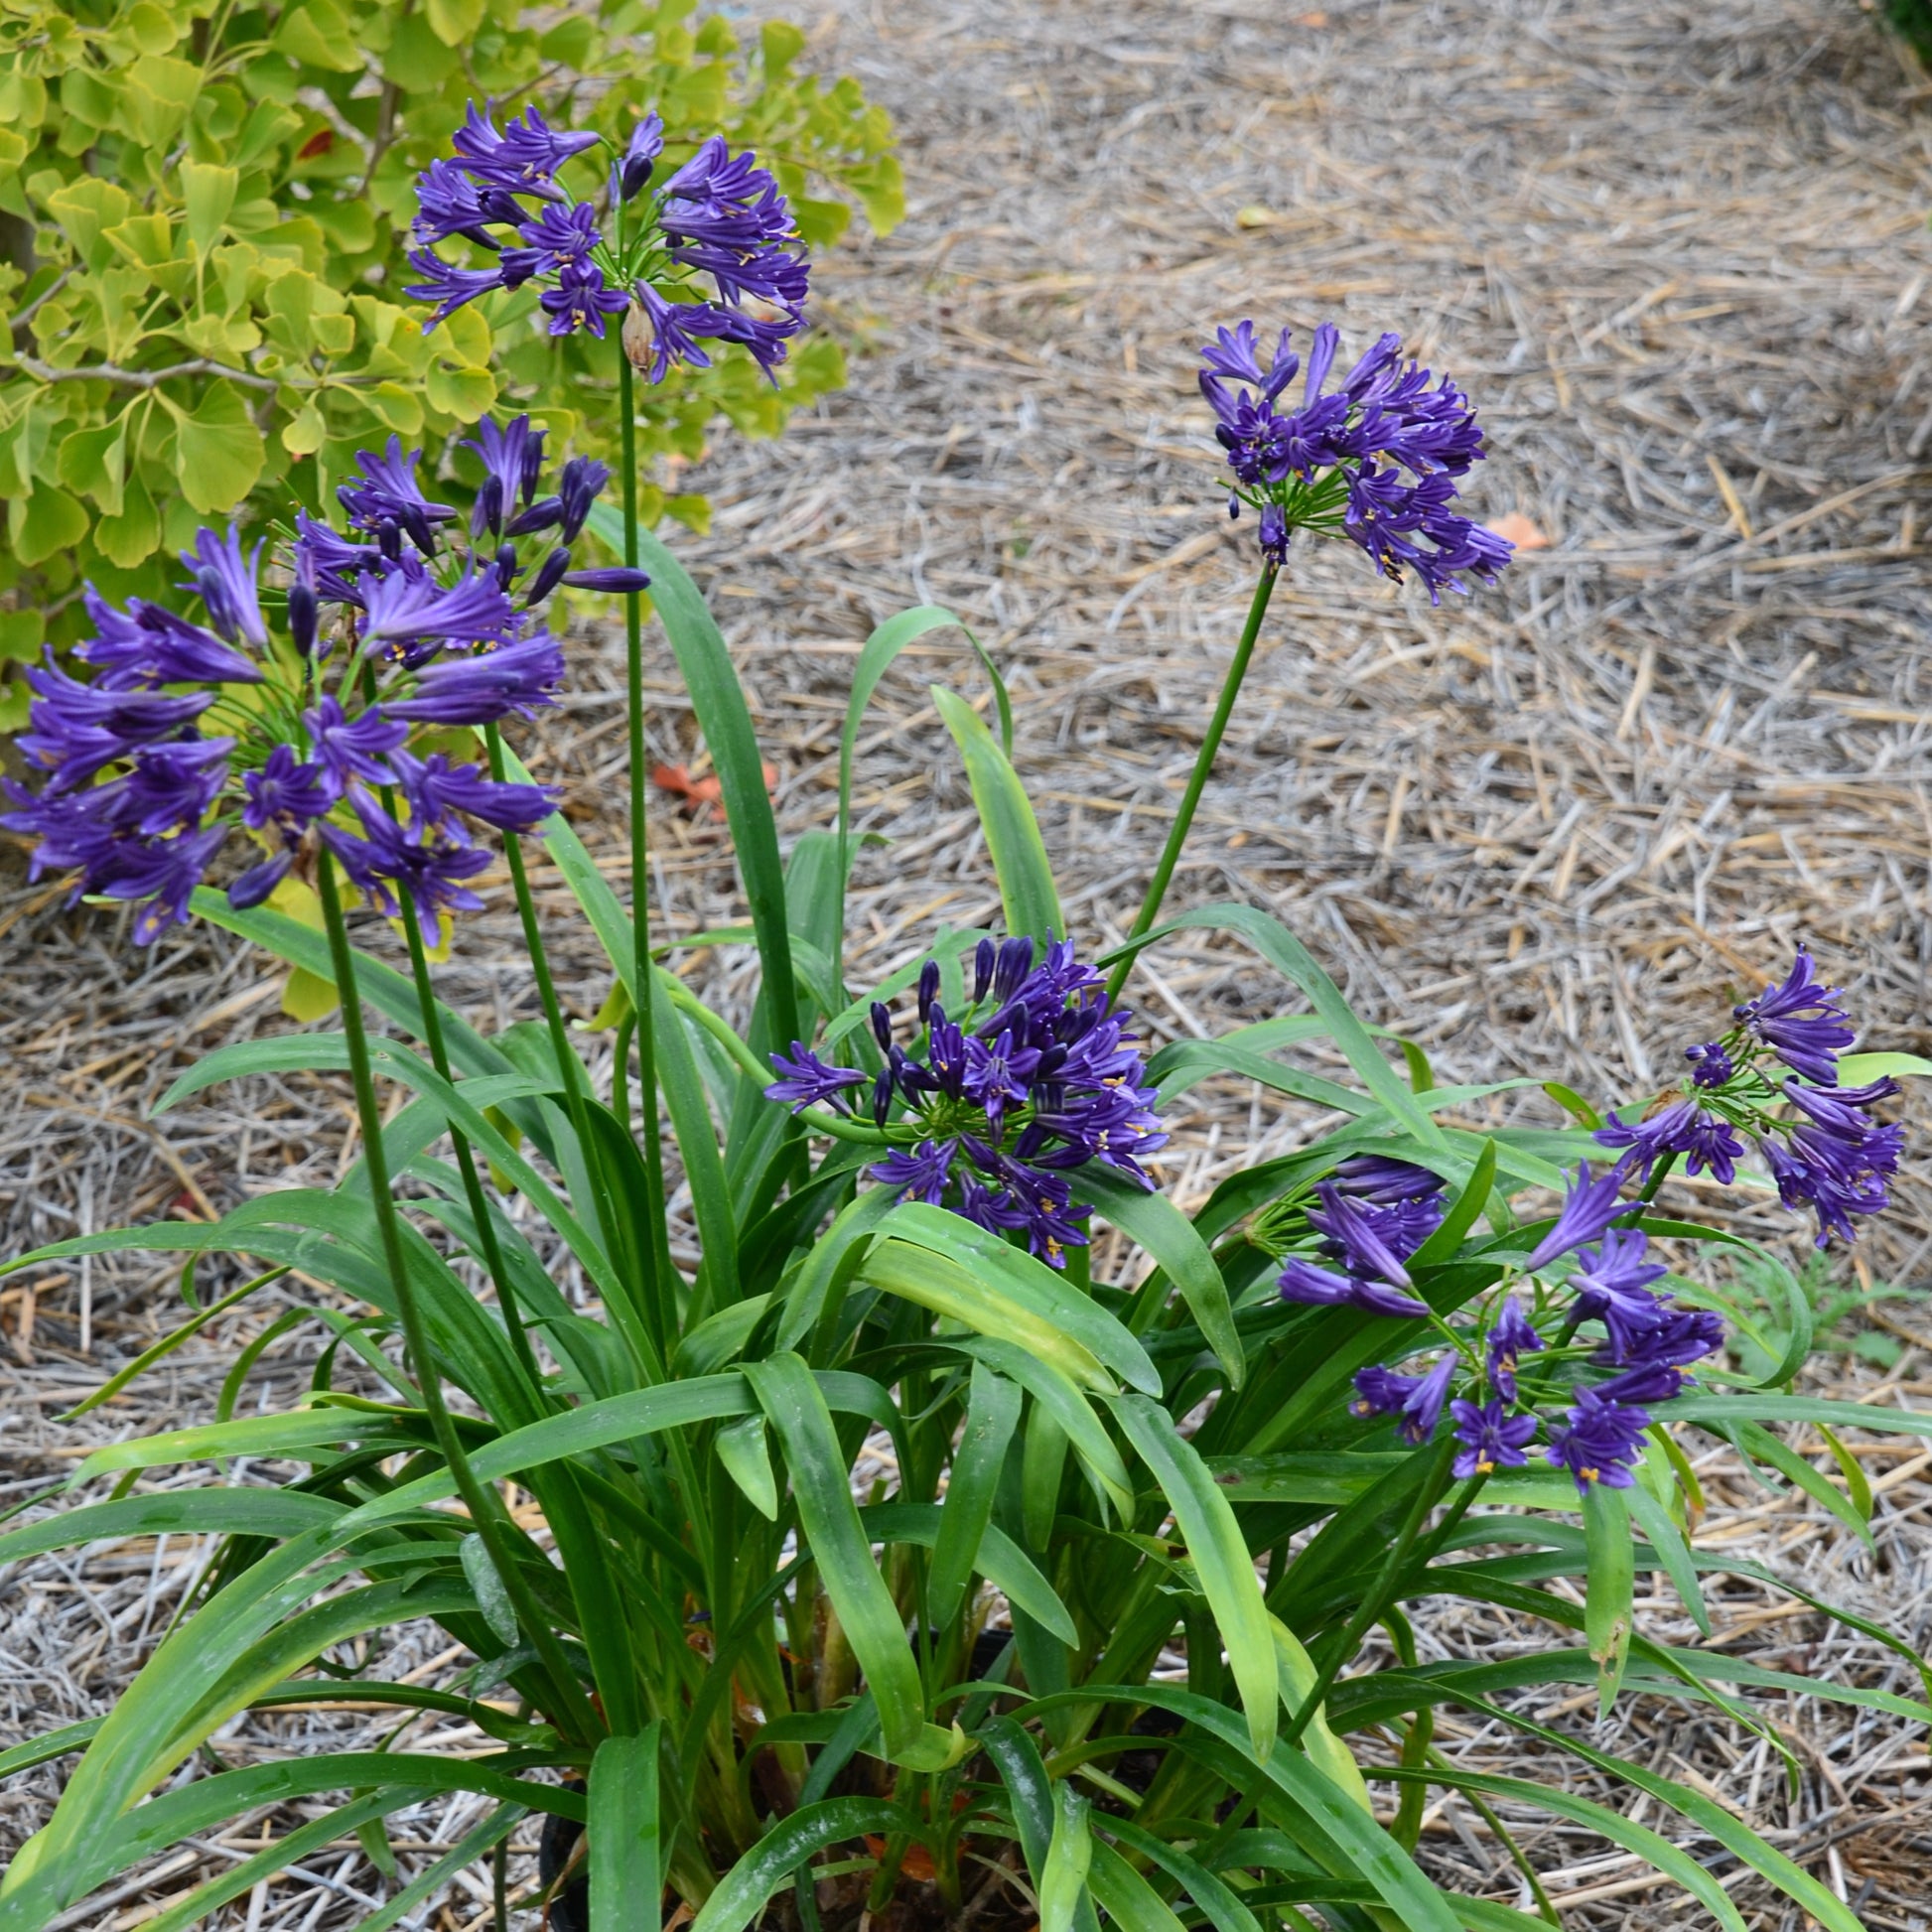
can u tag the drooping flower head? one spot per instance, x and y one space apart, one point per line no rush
1802 1021
1589 1207
1374 458
1772 1081
1416 1401
709 254
190 730
994 1114
1370 1245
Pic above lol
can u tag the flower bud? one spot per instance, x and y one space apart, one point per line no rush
550 572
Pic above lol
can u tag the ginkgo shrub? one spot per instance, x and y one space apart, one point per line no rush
205 213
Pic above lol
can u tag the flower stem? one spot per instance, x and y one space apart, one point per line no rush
641 991
438 1055
649 1341
572 1708
1190 800
472 1194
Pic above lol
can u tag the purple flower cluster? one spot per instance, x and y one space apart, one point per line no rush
1374 458
713 255
1772 1081
1371 1220
1649 1346
188 729
1037 1079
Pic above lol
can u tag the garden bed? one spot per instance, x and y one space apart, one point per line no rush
1684 257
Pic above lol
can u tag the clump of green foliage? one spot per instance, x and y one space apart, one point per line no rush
1911 20
203 226
1758 1306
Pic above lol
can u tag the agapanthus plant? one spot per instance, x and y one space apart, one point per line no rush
996 1113
708 254
641 1517
340 724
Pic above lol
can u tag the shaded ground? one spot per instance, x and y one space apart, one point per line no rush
1680 257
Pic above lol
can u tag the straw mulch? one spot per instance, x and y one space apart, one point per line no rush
1680 257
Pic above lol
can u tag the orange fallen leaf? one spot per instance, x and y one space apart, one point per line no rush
678 782
708 790
1517 528
916 1863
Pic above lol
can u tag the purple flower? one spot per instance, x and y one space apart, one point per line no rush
1613 1286
998 1073
1839 1160
447 288
423 859
580 300
489 686
1512 1337
613 577
289 795
1597 1441
147 644
675 330
1369 1240
807 1079
1708 1140
1234 355
1588 1209
406 605
640 154
349 749
1051 1220
1417 1400
1801 1020
578 485
70 829
921 1172
1839 1111
523 157
1833 1199
76 728
1009 1113
563 238
1710 1064
437 790
386 498
1491 1440
172 786
1303 1281
1378 1178
333 560
226 582
1655 1358
304 606
512 460
450 203
254 886
160 875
